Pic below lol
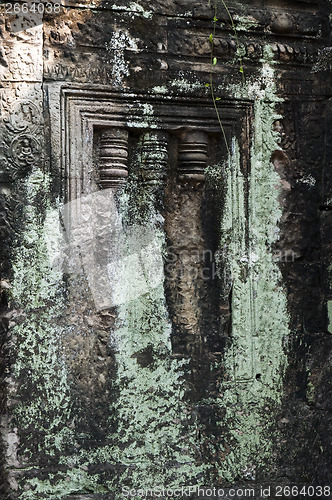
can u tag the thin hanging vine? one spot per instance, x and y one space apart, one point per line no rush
214 61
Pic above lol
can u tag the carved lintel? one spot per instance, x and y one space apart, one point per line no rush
154 157
192 156
113 157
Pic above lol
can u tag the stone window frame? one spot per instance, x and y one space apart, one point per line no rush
85 109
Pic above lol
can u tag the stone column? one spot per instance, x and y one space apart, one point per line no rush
145 232
192 156
113 158
154 157
185 280
191 290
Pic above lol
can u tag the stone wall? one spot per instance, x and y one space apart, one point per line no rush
166 311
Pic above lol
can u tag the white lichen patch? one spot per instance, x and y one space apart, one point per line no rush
160 89
120 41
145 116
135 8
182 83
309 180
245 23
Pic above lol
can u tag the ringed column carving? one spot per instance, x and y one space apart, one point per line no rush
154 158
113 158
192 155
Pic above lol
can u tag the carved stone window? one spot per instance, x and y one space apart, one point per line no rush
111 138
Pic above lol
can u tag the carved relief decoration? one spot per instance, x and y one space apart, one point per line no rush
23 116
153 157
21 136
193 156
113 151
25 151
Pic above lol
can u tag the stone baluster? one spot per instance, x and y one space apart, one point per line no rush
153 158
113 157
192 155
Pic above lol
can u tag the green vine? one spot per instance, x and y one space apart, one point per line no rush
214 61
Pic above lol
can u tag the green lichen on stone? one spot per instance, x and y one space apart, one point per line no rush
61 485
244 23
155 432
43 413
310 391
255 363
329 315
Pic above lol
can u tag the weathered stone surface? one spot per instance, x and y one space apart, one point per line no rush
166 301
